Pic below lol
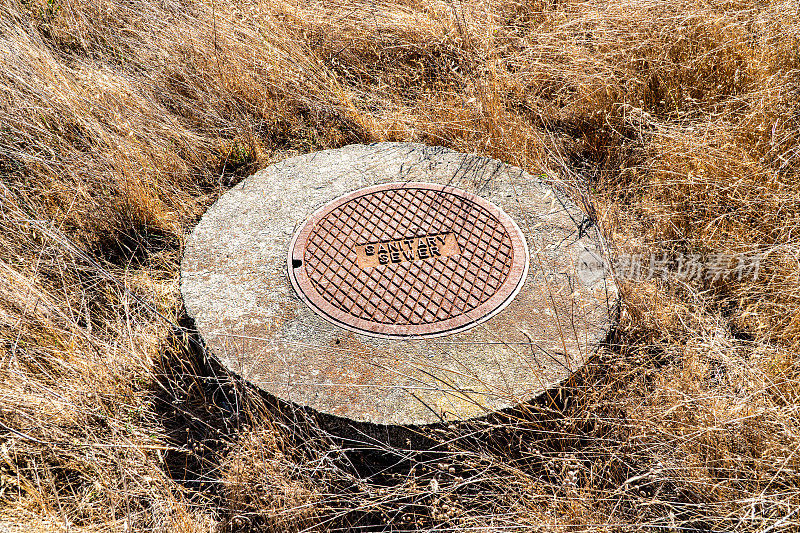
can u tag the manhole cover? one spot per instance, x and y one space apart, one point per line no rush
408 259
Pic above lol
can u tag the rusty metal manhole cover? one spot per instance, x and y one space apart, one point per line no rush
408 260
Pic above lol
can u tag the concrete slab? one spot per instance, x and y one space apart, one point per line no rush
236 281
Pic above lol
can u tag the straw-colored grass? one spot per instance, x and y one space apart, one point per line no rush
121 121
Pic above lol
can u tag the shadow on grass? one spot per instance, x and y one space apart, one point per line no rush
204 409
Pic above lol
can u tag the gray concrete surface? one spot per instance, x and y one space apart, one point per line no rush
235 286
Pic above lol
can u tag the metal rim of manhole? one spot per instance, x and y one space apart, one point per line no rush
410 259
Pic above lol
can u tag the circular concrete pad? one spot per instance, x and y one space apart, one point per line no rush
286 292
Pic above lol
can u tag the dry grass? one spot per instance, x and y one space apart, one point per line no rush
120 121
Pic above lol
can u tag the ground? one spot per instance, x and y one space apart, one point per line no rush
676 123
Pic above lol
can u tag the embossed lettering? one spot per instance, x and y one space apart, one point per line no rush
407 249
